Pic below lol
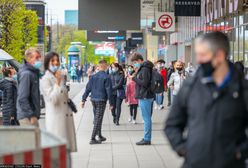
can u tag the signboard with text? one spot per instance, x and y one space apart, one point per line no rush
165 22
106 35
187 7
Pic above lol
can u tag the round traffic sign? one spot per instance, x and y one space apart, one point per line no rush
165 21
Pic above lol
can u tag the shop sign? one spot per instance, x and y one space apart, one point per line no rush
187 7
165 21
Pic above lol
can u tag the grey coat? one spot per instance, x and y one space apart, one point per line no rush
28 99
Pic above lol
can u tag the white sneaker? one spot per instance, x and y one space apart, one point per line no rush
134 122
155 107
130 119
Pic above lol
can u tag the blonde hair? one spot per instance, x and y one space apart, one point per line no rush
30 51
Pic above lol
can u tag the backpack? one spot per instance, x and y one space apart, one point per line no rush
157 82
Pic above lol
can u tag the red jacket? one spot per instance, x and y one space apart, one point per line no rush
130 93
163 72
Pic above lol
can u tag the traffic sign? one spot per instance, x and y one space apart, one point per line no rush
165 22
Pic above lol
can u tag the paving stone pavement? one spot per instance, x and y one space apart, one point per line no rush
120 151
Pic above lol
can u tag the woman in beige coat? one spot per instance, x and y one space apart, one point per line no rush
59 117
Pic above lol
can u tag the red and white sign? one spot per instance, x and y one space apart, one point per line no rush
165 22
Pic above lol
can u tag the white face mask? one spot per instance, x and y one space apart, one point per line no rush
53 68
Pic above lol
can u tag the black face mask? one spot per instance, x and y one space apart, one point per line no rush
179 69
208 69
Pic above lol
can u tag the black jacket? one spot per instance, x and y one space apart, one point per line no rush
143 81
215 120
117 82
28 98
9 88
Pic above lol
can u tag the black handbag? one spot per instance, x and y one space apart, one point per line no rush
72 105
42 102
14 122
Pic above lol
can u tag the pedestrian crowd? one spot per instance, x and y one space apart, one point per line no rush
208 116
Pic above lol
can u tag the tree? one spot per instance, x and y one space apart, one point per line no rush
11 26
30 31
68 35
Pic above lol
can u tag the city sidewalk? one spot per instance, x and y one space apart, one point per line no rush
120 151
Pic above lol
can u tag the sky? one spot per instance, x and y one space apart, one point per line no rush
57 8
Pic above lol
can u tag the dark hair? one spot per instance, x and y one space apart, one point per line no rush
161 61
120 69
7 71
48 58
136 57
102 62
130 66
216 41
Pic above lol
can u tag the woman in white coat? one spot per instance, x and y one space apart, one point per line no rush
59 117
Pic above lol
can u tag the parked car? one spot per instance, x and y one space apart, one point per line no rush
6 60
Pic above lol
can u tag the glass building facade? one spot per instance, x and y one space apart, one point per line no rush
229 16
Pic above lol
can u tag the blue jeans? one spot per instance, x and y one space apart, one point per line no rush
159 98
146 110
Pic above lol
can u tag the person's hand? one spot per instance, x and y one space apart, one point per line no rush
82 104
33 120
111 107
58 77
12 118
238 155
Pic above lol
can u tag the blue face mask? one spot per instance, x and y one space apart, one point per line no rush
130 71
137 65
114 70
110 71
53 68
37 64
14 77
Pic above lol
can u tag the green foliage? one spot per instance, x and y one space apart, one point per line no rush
15 34
30 30
77 36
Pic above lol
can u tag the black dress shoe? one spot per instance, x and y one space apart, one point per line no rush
94 141
143 142
114 121
117 123
102 138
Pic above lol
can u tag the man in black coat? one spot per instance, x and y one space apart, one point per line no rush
209 117
144 94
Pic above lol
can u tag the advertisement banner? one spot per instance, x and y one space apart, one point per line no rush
106 35
109 14
105 49
187 7
165 22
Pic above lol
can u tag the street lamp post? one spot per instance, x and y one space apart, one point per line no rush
85 60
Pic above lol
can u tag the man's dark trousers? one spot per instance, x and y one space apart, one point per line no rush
99 107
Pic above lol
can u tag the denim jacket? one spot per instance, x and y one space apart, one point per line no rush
100 87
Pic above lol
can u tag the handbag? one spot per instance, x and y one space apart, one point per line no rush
72 105
121 93
14 122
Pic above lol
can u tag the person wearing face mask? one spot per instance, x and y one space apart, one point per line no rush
59 117
28 97
176 79
100 87
216 115
144 93
118 79
130 96
9 87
